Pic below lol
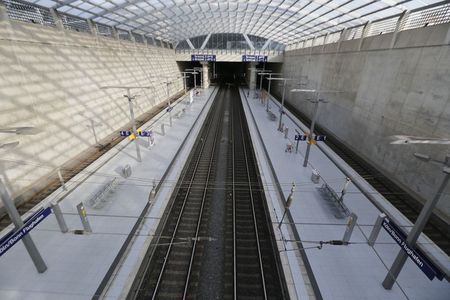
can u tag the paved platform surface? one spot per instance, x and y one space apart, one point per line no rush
78 263
355 271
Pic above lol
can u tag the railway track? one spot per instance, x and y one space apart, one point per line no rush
215 240
436 229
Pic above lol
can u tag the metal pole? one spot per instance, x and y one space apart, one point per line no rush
60 218
260 85
195 80
282 106
311 130
18 223
414 234
93 131
184 81
133 124
268 93
168 101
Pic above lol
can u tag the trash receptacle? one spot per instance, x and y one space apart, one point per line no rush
315 176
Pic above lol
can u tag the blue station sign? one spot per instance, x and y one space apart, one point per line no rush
304 137
140 133
417 256
203 57
254 58
16 235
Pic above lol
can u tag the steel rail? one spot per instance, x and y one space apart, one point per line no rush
234 205
191 261
253 208
180 215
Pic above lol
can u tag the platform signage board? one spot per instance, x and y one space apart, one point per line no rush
140 133
203 57
254 58
424 264
16 235
300 137
304 137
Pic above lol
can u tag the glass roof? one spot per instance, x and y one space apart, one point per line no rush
284 21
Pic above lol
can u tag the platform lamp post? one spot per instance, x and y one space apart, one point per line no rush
192 71
200 70
421 221
282 98
316 102
185 76
261 75
10 207
130 98
288 203
92 125
268 89
169 81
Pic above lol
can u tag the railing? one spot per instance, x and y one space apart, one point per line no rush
32 13
230 51
435 14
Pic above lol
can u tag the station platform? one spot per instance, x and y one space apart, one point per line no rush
354 271
82 265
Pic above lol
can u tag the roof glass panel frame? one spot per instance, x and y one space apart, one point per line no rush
282 21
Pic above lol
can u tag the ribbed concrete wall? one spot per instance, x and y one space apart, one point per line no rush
51 79
404 90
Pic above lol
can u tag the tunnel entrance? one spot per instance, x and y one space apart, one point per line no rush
226 72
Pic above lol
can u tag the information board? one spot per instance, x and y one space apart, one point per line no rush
424 264
203 57
14 236
254 58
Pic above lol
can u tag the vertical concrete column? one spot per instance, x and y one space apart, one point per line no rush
206 80
3 14
92 27
341 38
145 40
252 70
325 40
398 27
364 34
133 40
58 21
114 33
447 37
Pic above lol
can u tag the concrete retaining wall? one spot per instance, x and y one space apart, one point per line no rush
51 79
400 91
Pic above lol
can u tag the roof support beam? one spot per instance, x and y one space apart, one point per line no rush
266 44
190 43
250 44
205 41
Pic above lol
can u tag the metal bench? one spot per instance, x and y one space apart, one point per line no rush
340 209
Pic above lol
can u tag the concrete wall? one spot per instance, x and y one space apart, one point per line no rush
404 90
51 79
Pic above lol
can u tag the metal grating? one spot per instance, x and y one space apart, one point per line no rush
104 30
149 40
423 18
124 35
30 13
354 33
383 26
319 40
138 38
75 24
333 37
158 43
